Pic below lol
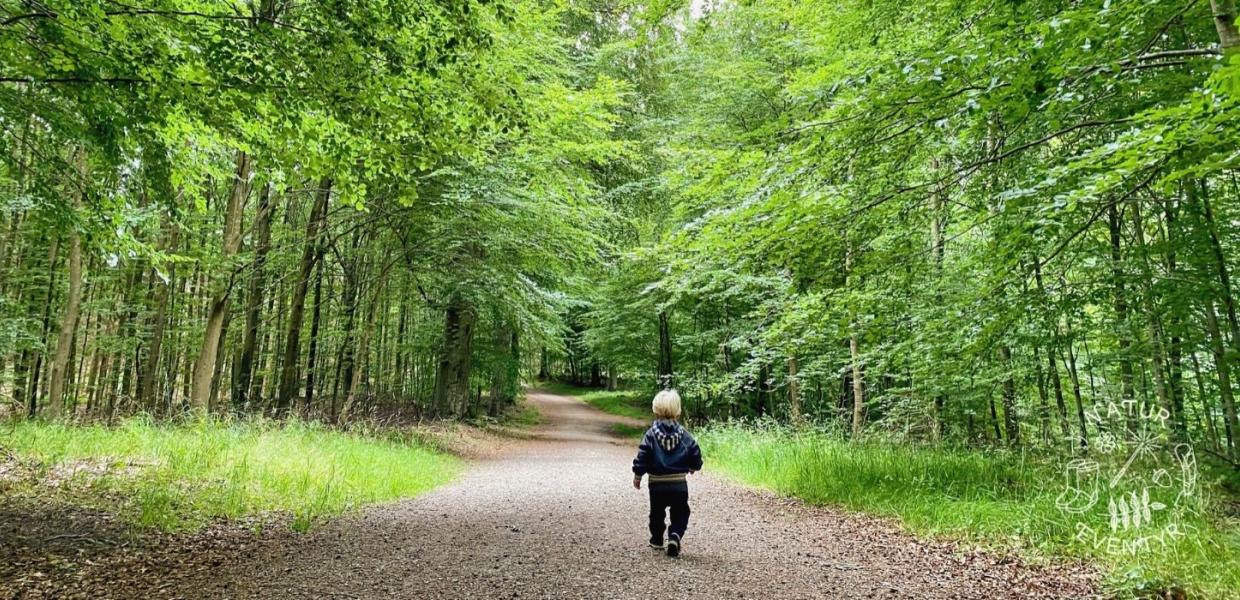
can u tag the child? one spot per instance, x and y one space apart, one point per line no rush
667 453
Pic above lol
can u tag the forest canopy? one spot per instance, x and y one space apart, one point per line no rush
964 221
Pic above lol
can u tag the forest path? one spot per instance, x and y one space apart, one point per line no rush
555 516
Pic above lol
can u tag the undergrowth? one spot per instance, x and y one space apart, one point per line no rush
990 497
180 477
628 431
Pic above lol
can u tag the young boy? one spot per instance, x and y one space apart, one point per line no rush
667 453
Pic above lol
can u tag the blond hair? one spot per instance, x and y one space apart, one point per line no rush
666 405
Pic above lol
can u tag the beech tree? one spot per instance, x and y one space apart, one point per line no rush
267 201
924 218
955 221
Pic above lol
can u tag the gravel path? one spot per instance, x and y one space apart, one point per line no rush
555 516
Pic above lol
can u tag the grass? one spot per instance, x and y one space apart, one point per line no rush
522 415
184 476
994 498
628 431
624 403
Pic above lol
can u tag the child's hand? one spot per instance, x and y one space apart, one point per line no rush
637 483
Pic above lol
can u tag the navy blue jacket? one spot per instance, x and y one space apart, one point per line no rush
667 448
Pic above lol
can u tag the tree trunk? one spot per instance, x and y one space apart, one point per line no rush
1011 424
128 329
363 354
937 244
514 366
1225 23
1044 407
763 390
96 399
402 360
32 362
1175 349
289 366
452 376
994 416
69 319
18 297
312 358
81 350
794 392
858 389
244 365
1220 265
1207 409
344 358
351 295
1076 393
204 366
1127 397
854 353
1052 357
666 372
159 321
1061 407
93 378
221 359
1154 326
83 353
1222 364
504 370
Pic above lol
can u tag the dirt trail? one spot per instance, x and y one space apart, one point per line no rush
555 516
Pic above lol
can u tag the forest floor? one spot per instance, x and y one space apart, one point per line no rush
551 516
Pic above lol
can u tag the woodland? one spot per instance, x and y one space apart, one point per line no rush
960 221
976 224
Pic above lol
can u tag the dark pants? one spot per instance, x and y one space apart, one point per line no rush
664 496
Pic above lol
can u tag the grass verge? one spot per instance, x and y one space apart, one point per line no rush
625 403
628 431
995 498
521 415
179 477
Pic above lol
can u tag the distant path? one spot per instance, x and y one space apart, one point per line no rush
555 516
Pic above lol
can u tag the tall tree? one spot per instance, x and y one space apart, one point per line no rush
290 366
221 287
245 363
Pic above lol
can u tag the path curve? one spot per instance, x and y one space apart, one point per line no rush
555 516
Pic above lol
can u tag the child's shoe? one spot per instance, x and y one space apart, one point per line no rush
673 545
656 543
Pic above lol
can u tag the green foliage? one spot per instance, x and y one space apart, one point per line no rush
937 183
178 477
459 146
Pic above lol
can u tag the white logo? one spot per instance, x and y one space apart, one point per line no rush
1135 495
